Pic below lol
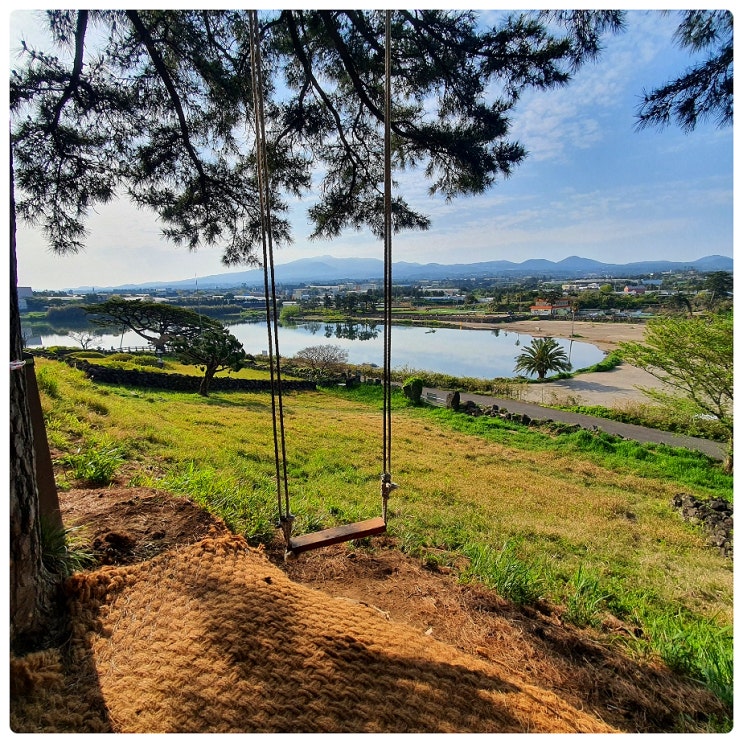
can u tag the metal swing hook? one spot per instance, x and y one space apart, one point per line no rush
387 487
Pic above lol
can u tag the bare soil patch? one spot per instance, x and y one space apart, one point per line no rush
586 670
122 526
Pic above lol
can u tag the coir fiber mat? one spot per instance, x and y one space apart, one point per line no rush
213 638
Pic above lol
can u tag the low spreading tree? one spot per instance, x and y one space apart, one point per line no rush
693 358
214 349
157 323
542 356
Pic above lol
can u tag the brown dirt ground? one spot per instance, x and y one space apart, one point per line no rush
604 335
588 670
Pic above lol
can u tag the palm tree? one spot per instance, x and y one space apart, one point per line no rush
542 356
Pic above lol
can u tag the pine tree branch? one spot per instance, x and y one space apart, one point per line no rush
77 67
167 81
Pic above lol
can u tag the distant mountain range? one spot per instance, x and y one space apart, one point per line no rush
329 270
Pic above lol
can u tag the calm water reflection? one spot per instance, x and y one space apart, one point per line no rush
459 352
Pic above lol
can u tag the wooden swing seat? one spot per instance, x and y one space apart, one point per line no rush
337 534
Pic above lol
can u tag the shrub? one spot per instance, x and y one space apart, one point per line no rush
88 355
146 359
412 388
438 380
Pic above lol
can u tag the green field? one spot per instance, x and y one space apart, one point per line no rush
578 519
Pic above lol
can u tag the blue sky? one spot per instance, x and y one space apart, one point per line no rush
592 186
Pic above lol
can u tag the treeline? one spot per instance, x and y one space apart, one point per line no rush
73 316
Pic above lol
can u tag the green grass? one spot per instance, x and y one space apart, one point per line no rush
609 362
505 571
687 468
696 647
654 416
95 465
244 501
579 519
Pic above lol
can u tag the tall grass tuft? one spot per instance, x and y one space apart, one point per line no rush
585 598
47 382
95 465
61 549
505 572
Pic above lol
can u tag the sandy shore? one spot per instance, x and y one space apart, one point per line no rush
612 389
604 335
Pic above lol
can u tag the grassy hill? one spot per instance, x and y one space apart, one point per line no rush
577 520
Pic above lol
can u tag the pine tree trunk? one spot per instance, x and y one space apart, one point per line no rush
207 381
34 614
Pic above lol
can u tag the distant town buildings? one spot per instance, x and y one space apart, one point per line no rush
545 308
581 286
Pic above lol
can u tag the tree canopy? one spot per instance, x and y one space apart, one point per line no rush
214 348
693 358
157 323
719 286
159 105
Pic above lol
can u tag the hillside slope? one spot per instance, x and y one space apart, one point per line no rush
184 628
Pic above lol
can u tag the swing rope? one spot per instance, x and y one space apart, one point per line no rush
269 282
387 322
371 526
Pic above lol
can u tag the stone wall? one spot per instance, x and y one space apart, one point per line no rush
714 516
179 382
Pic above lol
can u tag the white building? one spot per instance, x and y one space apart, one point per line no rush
24 293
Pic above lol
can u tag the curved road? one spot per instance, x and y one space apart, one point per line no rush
713 449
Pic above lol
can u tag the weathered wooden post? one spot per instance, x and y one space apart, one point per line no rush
48 497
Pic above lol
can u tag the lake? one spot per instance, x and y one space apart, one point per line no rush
462 352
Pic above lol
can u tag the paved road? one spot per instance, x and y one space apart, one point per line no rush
712 449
